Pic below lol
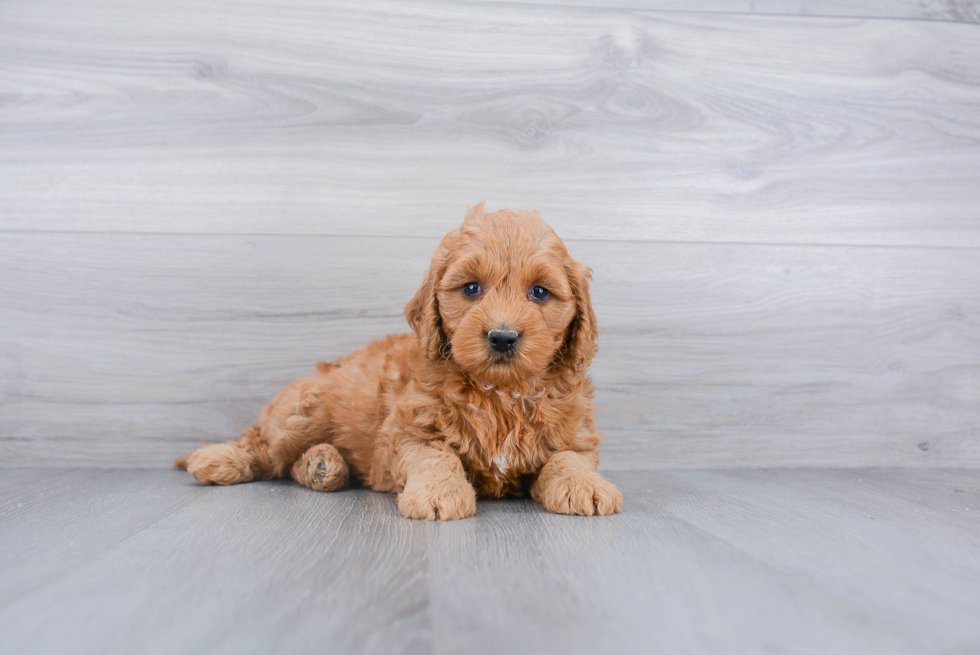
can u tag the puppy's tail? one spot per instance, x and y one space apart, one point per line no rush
228 462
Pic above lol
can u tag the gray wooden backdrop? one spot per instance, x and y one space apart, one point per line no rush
781 202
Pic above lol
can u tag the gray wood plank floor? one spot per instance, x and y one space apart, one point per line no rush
790 561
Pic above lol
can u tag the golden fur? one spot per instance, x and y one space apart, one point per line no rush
438 416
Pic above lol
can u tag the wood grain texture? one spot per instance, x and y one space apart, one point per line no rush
127 350
967 11
850 562
387 118
781 211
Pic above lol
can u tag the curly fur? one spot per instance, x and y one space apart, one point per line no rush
437 416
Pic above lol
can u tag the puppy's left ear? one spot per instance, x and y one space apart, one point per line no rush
583 340
422 313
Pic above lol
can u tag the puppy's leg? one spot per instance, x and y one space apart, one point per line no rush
321 468
436 487
295 420
570 484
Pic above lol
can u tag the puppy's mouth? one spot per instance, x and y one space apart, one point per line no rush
502 359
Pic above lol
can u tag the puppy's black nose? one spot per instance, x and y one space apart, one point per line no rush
503 341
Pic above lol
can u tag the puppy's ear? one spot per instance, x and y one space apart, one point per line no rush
422 313
583 333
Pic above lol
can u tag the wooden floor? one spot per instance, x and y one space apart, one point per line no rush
762 561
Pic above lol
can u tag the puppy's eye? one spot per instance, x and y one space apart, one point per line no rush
540 294
472 289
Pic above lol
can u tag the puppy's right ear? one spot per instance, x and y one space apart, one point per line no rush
422 313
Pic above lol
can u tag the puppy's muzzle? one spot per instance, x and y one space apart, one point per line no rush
503 341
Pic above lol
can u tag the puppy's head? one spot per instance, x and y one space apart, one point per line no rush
504 300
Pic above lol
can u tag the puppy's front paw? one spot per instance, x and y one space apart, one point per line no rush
585 495
437 497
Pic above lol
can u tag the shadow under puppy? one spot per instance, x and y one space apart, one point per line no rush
489 397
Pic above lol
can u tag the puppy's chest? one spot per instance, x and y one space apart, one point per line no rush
508 472
503 453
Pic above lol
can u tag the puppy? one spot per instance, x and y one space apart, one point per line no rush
489 397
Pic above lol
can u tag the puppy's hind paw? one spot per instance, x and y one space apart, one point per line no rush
321 468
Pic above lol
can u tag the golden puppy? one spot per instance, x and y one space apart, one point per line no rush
488 398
